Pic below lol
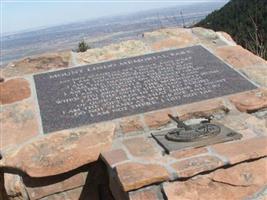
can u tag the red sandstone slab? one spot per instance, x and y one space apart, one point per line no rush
150 193
136 175
140 147
130 124
188 153
14 90
237 182
72 182
250 101
158 118
201 109
242 150
114 156
61 151
193 166
239 57
18 123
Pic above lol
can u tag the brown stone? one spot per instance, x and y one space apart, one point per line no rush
14 90
235 120
201 109
3 194
114 156
257 73
72 182
247 134
129 124
193 166
61 151
239 57
244 174
37 64
242 150
237 182
157 119
18 123
73 194
227 37
136 175
59 196
257 125
150 193
140 147
188 153
14 187
250 101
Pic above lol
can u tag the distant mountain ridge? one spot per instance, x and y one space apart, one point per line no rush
245 21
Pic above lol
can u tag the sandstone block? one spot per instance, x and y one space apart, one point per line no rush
14 90
61 151
243 150
14 187
188 153
72 182
136 175
239 57
130 124
150 193
18 123
193 166
237 182
250 101
201 109
140 147
37 64
158 118
114 156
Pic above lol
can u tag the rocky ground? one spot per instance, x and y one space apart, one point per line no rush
119 159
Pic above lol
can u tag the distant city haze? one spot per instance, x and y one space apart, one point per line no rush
37 28
25 15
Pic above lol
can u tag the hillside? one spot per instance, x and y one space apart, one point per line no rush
245 21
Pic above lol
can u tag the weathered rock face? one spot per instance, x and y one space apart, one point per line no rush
135 175
250 101
150 193
237 182
37 64
61 151
239 57
14 187
18 123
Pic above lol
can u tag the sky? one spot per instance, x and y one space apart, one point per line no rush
19 15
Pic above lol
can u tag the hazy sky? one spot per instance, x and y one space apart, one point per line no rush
17 15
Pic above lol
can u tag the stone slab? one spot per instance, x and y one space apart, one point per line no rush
105 91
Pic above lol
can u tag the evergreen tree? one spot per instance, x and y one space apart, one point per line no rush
82 46
245 21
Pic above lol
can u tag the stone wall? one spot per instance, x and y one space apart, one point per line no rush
118 158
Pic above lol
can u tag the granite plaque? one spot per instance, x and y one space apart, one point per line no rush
104 91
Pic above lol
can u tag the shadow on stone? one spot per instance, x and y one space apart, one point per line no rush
97 183
94 186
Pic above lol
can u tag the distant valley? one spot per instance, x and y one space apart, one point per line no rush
102 31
